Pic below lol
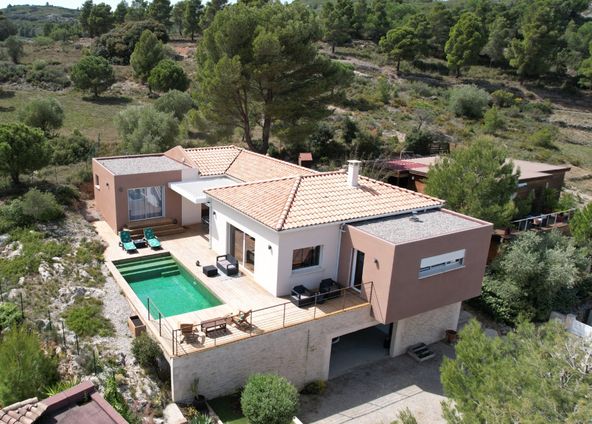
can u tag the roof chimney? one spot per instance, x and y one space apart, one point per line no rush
353 169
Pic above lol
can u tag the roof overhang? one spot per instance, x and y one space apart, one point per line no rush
194 190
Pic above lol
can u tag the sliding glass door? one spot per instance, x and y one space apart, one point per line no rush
242 247
145 203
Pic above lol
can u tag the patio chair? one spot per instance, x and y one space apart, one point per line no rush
188 333
329 288
126 242
151 239
227 264
301 296
242 319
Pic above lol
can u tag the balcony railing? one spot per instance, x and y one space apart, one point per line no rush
543 221
261 321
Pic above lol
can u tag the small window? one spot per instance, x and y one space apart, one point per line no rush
97 180
441 263
306 257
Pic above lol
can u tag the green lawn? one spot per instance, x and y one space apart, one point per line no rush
228 409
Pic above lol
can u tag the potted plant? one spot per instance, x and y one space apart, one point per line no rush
199 401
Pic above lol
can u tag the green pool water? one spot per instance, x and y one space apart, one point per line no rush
167 284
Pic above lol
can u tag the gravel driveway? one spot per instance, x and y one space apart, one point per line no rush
375 393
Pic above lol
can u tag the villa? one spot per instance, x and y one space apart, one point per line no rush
321 256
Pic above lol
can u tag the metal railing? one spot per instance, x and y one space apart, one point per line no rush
276 317
163 326
543 220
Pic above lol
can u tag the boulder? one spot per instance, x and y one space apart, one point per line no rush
172 415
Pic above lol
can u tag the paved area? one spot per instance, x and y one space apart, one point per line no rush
376 393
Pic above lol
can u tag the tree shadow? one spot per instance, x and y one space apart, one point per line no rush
6 109
6 94
107 100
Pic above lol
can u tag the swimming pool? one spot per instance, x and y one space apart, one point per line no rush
167 284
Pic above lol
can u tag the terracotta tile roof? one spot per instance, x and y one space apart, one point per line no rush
212 160
241 164
320 198
25 412
250 166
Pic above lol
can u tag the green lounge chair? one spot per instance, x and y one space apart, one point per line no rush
126 241
151 239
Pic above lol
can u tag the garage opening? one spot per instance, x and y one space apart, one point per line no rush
359 348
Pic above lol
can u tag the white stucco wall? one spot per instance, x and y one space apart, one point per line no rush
190 212
266 259
300 353
427 327
328 237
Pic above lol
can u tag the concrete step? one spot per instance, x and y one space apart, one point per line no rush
149 223
159 230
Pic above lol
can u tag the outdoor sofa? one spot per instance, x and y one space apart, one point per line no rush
227 264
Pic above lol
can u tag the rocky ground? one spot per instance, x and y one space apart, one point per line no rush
55 286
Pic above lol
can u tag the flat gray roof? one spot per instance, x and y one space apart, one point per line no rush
403 228
141 165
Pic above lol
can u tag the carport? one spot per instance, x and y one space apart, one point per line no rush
359 348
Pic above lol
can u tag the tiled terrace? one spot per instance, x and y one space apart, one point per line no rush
270 313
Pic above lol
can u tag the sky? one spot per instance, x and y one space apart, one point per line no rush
71 4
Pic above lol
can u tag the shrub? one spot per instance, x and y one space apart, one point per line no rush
41 207
567 201
14 47
419 142
93 73
146 130
166 76
89 251
469 101
71 149
10 315
85 318
544 137
9 72
65 194
146 351
269 399
201 419
118 44
175 102
45 113
580 225
502 98
405 417
25 369
117 401
48 78
492 121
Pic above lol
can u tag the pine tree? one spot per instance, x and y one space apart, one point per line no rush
213 7
120 12
84 15
337 21
191 17
160 11
177 14
465 42
147 53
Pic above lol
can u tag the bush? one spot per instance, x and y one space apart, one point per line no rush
175 102
419 142
580 225
25 369
93 73
146 130
45 113
166 76
10 315
71 149
85 318
65 195
469 101
9 72
48 78
118 44
146 351
503 98
269 399
41 207
117 401
14 47
492 121
544 137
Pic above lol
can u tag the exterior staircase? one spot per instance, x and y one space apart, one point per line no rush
161 226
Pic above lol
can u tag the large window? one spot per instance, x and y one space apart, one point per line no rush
441 263
145 202
306 257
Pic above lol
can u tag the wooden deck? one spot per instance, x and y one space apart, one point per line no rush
239 293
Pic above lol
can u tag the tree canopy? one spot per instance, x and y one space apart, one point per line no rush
260 66
45 113
167 75
160 11
465 42
147 53
580 225
191 17
93 73
22 149
534 374
477 181
143 129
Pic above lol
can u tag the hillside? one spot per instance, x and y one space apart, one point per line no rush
33 18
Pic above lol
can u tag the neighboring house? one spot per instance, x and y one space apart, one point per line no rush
408 261
79 404
535 177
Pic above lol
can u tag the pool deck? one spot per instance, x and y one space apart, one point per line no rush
239 293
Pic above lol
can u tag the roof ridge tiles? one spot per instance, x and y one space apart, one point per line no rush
288 205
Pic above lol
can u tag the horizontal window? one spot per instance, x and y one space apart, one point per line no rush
306 257
441 263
